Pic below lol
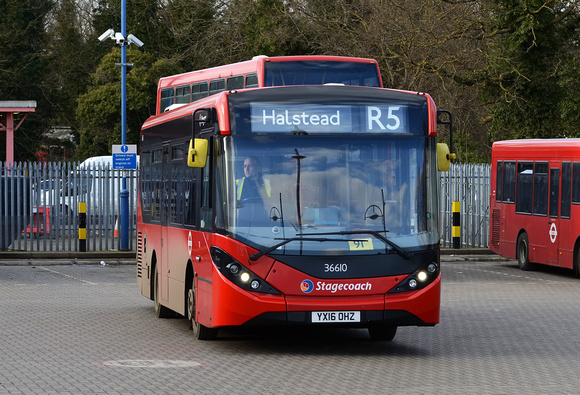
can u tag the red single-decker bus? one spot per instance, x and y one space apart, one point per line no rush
535 202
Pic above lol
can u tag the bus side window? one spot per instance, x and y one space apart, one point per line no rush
251 80
498 181
199 90
146 184
566 189
183 94
509 182
190 191
167 98
576 183
524 188
177 196
235 82
216 86
157 184
541 188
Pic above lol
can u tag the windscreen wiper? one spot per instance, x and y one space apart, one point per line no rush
400 250
268 250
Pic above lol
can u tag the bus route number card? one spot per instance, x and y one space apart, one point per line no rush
361 244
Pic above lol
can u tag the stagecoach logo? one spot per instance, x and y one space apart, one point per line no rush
306 286
553 233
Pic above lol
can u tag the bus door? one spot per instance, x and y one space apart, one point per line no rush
165 179
552 228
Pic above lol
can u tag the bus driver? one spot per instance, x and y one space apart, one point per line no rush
253 185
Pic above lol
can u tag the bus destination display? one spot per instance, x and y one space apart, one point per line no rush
316 118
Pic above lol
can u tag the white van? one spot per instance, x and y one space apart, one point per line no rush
96 183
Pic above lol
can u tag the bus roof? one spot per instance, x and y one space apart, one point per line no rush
536 148
247 66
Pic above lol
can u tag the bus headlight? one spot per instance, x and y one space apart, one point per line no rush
421 278
238 274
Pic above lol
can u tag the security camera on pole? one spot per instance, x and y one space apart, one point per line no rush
123 40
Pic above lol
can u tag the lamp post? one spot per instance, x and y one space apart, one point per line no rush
123 40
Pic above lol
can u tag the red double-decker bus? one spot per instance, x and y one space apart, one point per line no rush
297 205
261 71
535 202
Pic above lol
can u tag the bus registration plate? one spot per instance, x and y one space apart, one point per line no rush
335 316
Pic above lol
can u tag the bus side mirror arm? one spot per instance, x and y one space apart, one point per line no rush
445 155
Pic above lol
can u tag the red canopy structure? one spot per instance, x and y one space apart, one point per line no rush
9 109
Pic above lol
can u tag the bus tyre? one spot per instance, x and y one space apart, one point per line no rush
523 252
160 310
200 332
382 332
577 260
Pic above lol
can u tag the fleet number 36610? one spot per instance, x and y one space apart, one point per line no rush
335 267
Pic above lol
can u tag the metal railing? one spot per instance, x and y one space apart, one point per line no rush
39 206
469 185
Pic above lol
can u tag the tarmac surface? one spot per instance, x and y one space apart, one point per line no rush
85 329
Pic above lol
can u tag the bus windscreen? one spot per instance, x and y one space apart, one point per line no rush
321 72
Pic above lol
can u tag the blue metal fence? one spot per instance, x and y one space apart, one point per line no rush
39 205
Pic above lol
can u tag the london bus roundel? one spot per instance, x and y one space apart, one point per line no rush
553 233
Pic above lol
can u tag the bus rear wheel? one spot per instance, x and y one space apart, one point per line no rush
200 332
382 332
576 265
524 253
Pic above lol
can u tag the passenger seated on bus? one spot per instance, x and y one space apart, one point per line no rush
253 185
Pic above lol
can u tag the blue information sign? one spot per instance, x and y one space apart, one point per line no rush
125 156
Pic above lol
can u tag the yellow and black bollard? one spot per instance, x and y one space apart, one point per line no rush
456 225
82 227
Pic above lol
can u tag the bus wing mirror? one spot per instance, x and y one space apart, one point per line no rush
197 154
444 157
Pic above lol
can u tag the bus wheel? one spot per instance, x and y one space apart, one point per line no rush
577 261
524 253
200 332
160 311
382 332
